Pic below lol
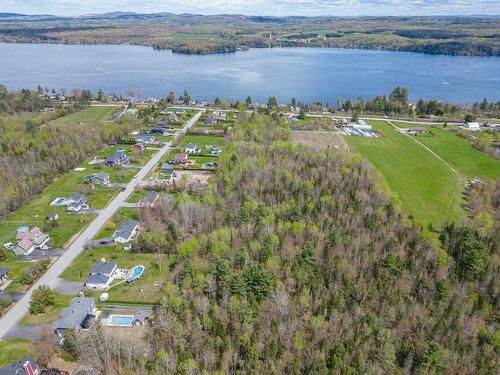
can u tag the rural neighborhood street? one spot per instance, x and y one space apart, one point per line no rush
10 319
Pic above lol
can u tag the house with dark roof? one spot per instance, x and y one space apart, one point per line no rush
101 275
210 120
76 202
145 138
101 178
79 315
25 366
150 199
117 159
168 168
126 231
4 275
140 318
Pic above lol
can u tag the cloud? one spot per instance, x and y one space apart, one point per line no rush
257 7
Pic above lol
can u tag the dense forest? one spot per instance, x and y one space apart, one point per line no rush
294 261
32 147
198 34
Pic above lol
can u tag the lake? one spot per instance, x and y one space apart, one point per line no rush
306 73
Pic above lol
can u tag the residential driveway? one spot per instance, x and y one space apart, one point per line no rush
68 287
27 332
128 204
50 277
90 211
117 185
128 166
15 296
39 254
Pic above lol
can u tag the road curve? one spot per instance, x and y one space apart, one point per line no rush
10 319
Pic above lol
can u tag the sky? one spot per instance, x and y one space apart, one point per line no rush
256 7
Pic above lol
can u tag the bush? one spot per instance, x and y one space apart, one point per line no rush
41 298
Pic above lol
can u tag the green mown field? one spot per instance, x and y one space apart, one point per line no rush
87 115
13 349
422 184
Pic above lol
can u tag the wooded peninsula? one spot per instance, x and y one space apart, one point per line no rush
200 34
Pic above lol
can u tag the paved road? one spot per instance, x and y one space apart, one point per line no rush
10 319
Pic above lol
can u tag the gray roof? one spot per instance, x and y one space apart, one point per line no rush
151 196
16 368
105 268
126 228
74 315
97 279
167 166
140 315
76 197
3 271
145 137
102 175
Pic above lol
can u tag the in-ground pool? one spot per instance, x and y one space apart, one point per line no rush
58 202
22 229
120 320
135 273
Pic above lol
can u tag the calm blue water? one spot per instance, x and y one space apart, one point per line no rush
306 73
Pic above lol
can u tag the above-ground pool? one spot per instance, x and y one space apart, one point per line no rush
120 320
22 229
136 272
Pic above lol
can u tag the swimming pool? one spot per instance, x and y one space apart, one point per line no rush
22 229
137 272
120 320
58 201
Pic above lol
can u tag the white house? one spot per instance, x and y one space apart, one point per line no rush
472 126
361 125
192 149
126 231
101 275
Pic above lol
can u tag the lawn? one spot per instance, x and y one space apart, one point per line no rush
458 152
124 213
202 140
51 313
13 349
123 293
422 184
88 115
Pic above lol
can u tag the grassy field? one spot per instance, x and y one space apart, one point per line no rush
13 349
88 115
51 313
124 213
202 140
127 293
422 184
458 152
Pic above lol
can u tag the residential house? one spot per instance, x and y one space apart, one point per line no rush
101 178
79 315
192 149
361 125
117 159
138 147
52 217
219 115
180 158
150 199
215 151
158 131
472 126
140 318
162 123
25 366
76 202
30 240
4 275
210 120
126 231
145 138
101 275
168 168
171 116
